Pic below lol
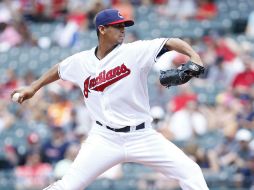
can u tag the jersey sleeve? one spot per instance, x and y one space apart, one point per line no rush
156 47
147 51
67 69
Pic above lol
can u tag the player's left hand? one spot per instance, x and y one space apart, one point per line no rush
181 75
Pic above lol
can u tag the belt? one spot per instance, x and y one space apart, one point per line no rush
124 129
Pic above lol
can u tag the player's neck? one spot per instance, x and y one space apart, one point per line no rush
102 50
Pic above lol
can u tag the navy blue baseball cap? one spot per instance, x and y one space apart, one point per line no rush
111 17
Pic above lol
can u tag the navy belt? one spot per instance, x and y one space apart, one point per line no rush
124 129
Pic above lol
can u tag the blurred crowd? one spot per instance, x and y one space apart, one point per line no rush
75 16
211 119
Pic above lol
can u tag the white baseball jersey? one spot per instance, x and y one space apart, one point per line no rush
115 87
115 92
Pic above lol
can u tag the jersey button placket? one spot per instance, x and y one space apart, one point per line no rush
108 111
105 104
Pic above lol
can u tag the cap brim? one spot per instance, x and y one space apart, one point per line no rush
127 23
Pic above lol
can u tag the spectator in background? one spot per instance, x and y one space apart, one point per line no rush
36 11
245 117
96 7
27 37
66 33
243 137
27 9
10 160
227 49
158 115
63 165
5 12
182 98
125 8
187 123
43 11
178 9
206 159
217 74
227 145
250 25
228 107
236 151
244 81
34 141
15 34
10 81
53 149
81 117
159 2
209 54
10 10
33 144
77 14
160 121
59 111
248 172
6 118
58 8
207 10
242 155
9 36
35 174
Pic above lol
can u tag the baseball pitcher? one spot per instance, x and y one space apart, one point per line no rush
113 80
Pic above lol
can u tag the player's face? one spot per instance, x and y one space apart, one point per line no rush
116 33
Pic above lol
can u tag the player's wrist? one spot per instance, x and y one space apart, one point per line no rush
195 58
34 87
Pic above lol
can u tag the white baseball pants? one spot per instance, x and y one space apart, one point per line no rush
105 148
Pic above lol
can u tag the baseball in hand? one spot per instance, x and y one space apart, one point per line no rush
15 97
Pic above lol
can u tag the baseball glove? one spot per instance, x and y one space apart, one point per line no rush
181 75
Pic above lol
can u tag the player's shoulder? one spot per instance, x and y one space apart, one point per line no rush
84 52
78 57
144 42
132 45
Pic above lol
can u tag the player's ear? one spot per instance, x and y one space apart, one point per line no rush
101 29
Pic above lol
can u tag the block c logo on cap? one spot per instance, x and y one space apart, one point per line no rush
119 14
